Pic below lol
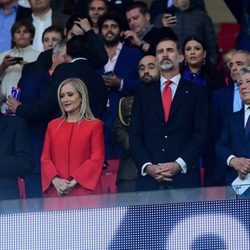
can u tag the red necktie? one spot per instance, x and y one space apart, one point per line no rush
166 99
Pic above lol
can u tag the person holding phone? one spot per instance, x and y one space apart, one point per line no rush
120 74
12 61
185 21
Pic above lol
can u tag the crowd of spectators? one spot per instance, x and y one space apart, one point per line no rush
103 79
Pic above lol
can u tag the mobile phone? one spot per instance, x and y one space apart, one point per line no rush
108 74
18 59
170 11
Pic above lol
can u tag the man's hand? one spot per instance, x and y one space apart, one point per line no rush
12 104
113 82
84 24
169 20
168 171
133 38
154 171
241 165
7 61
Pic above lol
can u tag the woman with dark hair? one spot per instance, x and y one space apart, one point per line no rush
73 152
11 61
197 68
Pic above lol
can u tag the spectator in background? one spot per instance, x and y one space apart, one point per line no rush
43 17
96 8
78 26
120 78
33 87
73 168
81 7
127 171
187 21
158 7
142 33
10 67
226 58
234 143
78 50
10 12
16 158
241 11
52 35
197 68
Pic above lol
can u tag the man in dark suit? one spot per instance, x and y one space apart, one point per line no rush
168 126
16 158
224 102
123 79
75 26
233 147
79 67
34 86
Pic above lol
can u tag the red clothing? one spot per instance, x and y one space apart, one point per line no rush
73 150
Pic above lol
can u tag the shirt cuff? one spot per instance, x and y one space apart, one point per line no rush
229 159
182 164
121 85
143 172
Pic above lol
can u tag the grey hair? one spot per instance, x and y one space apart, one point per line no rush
243 71
244 52
59 47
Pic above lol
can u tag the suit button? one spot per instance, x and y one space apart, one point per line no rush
165 136
163 150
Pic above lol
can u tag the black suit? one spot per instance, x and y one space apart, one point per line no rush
184 135
233 141
16 158
48 104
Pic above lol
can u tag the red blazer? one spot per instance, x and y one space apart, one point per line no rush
73 150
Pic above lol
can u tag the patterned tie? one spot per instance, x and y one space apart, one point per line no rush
167 99
247 128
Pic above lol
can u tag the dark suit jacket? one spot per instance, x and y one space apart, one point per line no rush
184 135
97 53
233 142
221 108
16 158
48 104
129 74
34 86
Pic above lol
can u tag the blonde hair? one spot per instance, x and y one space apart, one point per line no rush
85 112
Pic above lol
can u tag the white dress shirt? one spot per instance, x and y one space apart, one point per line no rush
40 25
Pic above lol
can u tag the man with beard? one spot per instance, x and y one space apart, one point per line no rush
120 74
127 171
168 126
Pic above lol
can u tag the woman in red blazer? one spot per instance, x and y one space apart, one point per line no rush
73 152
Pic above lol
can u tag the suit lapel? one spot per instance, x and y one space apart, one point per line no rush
181 94
239 125
155 96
